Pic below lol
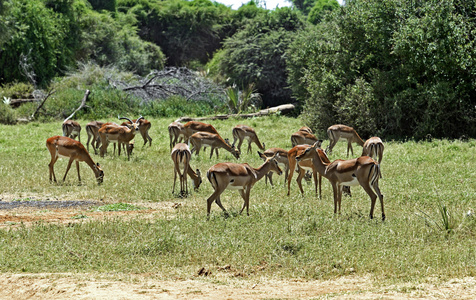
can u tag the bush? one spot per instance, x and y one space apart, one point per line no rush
7 114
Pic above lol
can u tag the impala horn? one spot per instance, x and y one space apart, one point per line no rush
124 118
140 118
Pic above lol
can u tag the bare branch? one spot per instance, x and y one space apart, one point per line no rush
83 103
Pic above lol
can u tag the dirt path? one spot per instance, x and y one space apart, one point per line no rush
85 286
150 286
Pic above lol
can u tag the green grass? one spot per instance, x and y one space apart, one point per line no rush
294 237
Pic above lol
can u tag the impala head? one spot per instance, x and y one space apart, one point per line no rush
199 181
134 126
99 173
307 154
274 167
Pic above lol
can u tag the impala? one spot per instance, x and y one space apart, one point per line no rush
92 129
118 134
72 129
306 129
195 126
282 160
303 137
336 132
363 171
65 147
215 141
239 177
303 166
176 133
181 157
243 132
373 147
144 127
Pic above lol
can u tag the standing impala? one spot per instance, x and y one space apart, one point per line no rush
303 166
282 160
336 132
181 157
239 177
92 129
363 171
118 134
144 127
176 133
215 141
72 129
373 147
65 147
243 132
303 137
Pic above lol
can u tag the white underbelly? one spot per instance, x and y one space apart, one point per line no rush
63 156
234 187
354 182
306 168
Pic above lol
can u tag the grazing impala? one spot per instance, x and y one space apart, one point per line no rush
240 177
336 132
65 147
215 141
92 129
363 171
195 126
306 129
181 157
72 129
303 166
176 133
242 132
303 137
373 147
282 160
144 127
118 134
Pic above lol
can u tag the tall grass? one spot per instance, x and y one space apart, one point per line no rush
284 237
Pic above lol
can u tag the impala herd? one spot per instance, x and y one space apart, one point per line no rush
305 155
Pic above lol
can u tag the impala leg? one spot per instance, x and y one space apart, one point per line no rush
314 176
373 197
215 196
249 146
185 170
67 168
320 186
290 175
380 196
51 166
270 177
301 174
240 142
77 168
335 190
243 195
211 153
150 139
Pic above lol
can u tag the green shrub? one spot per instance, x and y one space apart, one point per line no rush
7 114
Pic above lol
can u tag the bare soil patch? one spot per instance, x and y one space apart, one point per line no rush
219 285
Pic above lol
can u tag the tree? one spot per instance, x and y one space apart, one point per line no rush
257 54
390 68
320 9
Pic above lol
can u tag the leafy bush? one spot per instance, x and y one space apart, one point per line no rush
389 69
7 114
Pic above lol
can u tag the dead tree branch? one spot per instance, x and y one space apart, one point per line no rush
83 103
51 92
283 109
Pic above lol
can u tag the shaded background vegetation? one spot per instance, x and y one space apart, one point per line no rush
394 68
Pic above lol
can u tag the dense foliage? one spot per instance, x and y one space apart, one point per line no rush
390 68
256 54
45 38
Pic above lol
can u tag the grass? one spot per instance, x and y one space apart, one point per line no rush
284 237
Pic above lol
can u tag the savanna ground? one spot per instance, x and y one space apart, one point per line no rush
57 241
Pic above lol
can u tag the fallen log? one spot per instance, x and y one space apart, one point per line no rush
283 109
